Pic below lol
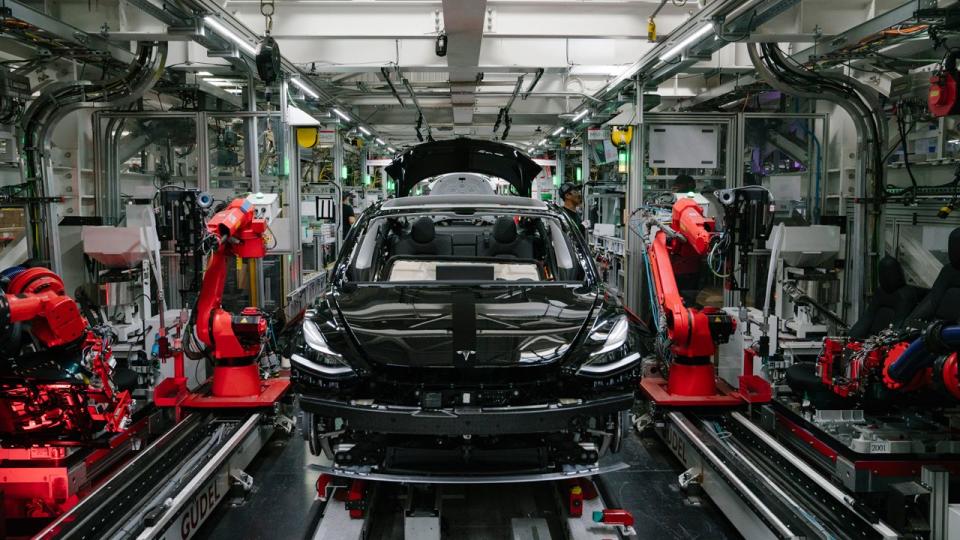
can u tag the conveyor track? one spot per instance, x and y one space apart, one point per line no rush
813 510
134 498
785 493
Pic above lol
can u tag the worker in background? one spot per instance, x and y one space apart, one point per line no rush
572 199
684 183
347 214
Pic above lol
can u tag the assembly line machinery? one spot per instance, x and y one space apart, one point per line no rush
808 427
858 444
68 417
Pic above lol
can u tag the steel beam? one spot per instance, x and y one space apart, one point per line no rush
156 12
463 23
149 36
826 46
895 16
71 34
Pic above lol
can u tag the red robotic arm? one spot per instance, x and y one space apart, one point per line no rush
234 341
37 295
693 333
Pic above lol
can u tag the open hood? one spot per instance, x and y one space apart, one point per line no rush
463 155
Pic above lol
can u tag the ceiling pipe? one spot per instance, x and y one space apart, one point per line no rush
533 83
416 103
393 89
865 132
504 114
57 101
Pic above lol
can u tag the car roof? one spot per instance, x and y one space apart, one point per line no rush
460 200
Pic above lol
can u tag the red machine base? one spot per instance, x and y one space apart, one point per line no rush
655 388
42 482
271 390
755 389
170 392
691 380
236 381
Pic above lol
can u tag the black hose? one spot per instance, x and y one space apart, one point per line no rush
837 87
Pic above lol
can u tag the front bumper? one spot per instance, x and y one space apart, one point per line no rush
458 421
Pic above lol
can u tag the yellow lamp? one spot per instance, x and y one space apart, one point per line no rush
307 137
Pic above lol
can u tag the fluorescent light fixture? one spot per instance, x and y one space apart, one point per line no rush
233 91
364 130
124 133
390 148
307 91
542 142
557 131
731 104
380 141
228 35
204 74
341 114
222 83
581 114
686 42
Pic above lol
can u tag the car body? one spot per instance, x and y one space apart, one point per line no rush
465 334
462 184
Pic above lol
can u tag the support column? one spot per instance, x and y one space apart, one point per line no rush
558 171
338 183
585 179
633 285
937 480
253 162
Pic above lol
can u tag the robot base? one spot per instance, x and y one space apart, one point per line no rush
236 381
270 392
656 388
697 386
172 392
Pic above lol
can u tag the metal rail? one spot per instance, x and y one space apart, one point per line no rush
819 480
761 486
92 515
186 472
210 484
684 425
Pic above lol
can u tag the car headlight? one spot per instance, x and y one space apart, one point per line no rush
612 333
612 355
316 355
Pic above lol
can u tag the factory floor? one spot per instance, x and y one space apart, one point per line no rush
283 505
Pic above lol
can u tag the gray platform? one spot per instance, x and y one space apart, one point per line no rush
283 504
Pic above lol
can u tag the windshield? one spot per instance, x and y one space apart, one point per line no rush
469 247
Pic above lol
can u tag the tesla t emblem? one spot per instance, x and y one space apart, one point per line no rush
466 355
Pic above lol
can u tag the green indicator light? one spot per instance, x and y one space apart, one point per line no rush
343 172
579 174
